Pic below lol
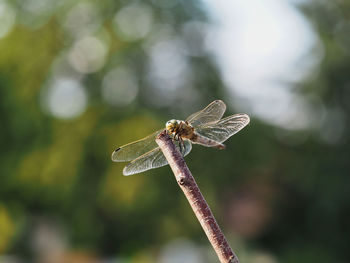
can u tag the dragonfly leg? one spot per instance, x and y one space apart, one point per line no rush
183 144
178 139
180 143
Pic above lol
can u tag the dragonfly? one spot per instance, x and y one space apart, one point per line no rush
205 127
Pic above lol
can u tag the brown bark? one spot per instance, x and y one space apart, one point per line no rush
195 198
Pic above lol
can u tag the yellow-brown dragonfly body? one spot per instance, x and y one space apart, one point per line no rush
204 127
183 130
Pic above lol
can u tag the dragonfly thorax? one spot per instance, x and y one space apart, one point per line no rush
179 128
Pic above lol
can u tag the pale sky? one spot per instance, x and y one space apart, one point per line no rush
263 48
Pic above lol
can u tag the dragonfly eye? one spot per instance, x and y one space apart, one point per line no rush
171 125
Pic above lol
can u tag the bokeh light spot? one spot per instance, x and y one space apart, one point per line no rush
7 18
82 19
333 126
88 54
180 250
119 86
195 33
167 64
165 3
133 22
66 98
168 69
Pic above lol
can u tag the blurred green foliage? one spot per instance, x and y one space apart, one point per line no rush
282 192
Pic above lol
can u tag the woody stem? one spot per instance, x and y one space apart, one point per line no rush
200 207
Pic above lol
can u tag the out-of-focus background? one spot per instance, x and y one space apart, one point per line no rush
80 78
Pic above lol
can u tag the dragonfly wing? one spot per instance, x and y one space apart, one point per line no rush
135 149
149 160
187 147
210 114
153 159
225 128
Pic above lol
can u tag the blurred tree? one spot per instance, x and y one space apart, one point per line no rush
79 78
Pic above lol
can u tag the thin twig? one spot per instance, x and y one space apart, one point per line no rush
195 198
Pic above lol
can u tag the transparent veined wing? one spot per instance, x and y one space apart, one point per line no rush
210 114
131 151
153 159
225 128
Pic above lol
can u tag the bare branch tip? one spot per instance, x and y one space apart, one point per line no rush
162 135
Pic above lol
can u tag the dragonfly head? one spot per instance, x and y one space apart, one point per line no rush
172 125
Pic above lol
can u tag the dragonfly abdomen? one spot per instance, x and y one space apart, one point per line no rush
199 139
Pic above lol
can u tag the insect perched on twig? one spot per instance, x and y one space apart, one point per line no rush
204 127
